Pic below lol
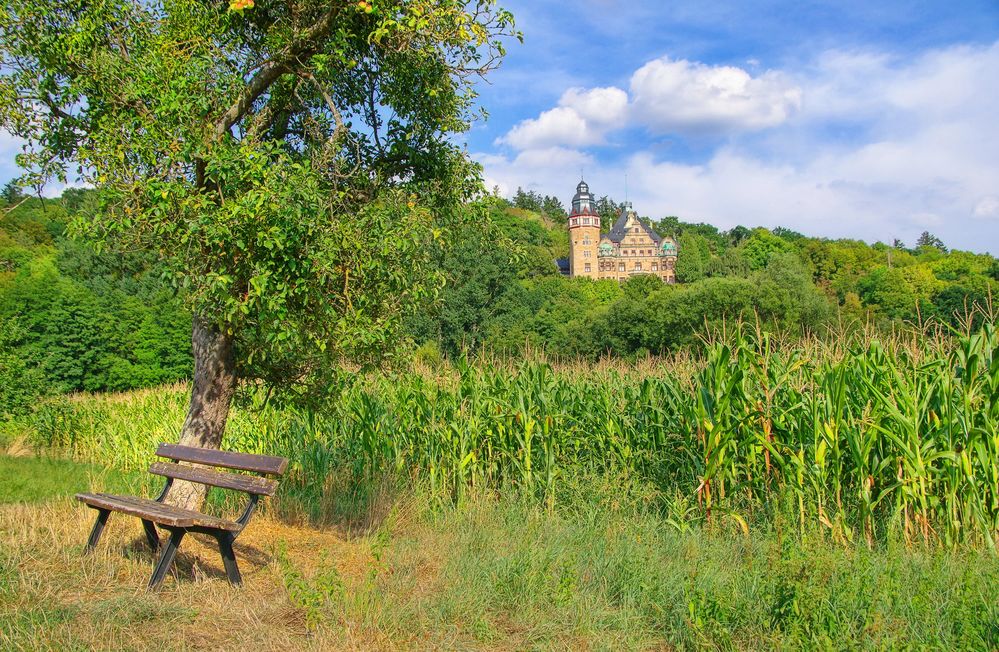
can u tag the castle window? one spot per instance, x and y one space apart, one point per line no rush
586 220
586 240
620 267
586 254
586 267
655 267
638 266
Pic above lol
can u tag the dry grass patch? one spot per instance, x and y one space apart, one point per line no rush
54 597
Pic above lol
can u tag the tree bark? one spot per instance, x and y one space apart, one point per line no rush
211 395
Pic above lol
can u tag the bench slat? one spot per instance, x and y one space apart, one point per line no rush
251 484
227 459
157 512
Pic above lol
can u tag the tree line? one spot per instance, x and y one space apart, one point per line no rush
505 293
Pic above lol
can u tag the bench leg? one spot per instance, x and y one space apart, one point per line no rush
166 557
95 533
151 536
229 559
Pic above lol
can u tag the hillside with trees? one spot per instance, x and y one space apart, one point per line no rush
75 319
505 293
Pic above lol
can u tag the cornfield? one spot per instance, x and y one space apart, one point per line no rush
861 436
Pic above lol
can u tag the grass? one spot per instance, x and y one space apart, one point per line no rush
38 479
816 494
874 435
491 572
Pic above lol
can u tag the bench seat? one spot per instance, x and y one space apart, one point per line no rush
158 513
198 465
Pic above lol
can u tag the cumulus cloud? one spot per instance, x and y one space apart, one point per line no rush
667 96
583 117
874 146
548 170
689 97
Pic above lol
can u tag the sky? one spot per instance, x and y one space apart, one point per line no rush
868 120
864 119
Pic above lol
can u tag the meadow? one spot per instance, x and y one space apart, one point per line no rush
833 492
863 436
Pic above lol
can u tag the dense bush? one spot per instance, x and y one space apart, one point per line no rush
86 321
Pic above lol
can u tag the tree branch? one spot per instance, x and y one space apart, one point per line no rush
299 52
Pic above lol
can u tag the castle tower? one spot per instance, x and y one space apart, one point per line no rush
584 233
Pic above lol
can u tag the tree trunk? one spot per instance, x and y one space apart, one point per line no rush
211 396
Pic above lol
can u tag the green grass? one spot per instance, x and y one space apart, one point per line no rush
625 579
37 479
871 434
508 574
599 571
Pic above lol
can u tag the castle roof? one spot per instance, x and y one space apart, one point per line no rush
583 201
620 230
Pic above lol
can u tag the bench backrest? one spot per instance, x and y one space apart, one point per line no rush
208 457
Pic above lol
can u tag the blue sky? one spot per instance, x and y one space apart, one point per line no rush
872 120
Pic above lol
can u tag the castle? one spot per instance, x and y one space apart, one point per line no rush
630 248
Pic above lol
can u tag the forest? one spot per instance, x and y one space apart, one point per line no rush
74 319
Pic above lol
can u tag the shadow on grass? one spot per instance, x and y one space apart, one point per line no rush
194 563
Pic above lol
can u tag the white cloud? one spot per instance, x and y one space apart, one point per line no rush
582 118
682 96
549 170
667 96
987 208
605 107
875 147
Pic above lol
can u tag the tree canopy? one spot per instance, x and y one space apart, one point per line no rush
289 162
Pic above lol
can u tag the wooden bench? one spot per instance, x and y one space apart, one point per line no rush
179 522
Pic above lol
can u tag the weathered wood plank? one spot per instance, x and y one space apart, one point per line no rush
227 459
157 512
250 484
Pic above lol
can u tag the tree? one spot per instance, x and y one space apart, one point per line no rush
528 201
552 208
290 163
668 226
20 385
693 257
787 234
609 211
739 233
887 289
11 193
761 246
479 269
927 239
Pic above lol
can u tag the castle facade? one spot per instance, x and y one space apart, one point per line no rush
630 248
